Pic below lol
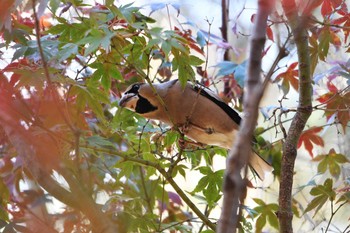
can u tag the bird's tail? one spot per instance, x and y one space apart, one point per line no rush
260 165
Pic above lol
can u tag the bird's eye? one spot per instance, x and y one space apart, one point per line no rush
135 88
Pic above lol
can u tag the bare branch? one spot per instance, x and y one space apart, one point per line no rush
225 6
234 185
304 110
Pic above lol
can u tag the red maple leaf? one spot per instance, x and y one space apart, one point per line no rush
187 35
290 77
309 138
269 33
326 8
343 21
329 6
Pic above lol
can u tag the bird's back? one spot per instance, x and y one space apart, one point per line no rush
209 122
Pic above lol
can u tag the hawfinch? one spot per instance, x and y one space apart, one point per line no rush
201 114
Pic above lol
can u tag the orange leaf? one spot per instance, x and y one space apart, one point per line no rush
310 138
290 75
325 97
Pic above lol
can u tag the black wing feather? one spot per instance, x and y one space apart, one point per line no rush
231 112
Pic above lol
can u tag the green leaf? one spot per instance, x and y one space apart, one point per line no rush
334 169
115 73
208 231
54 4
331 161
202 183
66 51
316 202
19 52
170 138
273 220
324 40
205 170
259 201
285 86
260 223
211 193
180 169
177 45
92 47
149 156
322 166
340 158
195 61
322 193
98 141
166 47
181 62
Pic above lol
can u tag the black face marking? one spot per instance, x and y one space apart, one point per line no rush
144 106
231 112
134 89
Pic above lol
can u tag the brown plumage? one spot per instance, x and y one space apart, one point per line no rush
201 114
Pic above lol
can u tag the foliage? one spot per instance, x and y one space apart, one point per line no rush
64 138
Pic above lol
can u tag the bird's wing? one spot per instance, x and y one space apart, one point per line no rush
259 165
207 93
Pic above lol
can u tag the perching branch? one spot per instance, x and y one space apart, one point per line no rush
303 112
234 186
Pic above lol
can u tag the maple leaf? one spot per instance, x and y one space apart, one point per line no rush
331 161
290 78
336 103
269 33
328 6
343 21
309 138
187 35
313 52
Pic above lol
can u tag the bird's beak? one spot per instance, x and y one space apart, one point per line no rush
128 101
124 99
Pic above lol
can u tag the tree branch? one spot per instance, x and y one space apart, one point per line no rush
225 5
234 185
166 175
303 112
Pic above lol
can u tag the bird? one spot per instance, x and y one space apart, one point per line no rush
194 109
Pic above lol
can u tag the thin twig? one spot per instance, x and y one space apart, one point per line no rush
333 213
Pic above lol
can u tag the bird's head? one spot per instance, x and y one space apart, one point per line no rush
137 98
130 97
